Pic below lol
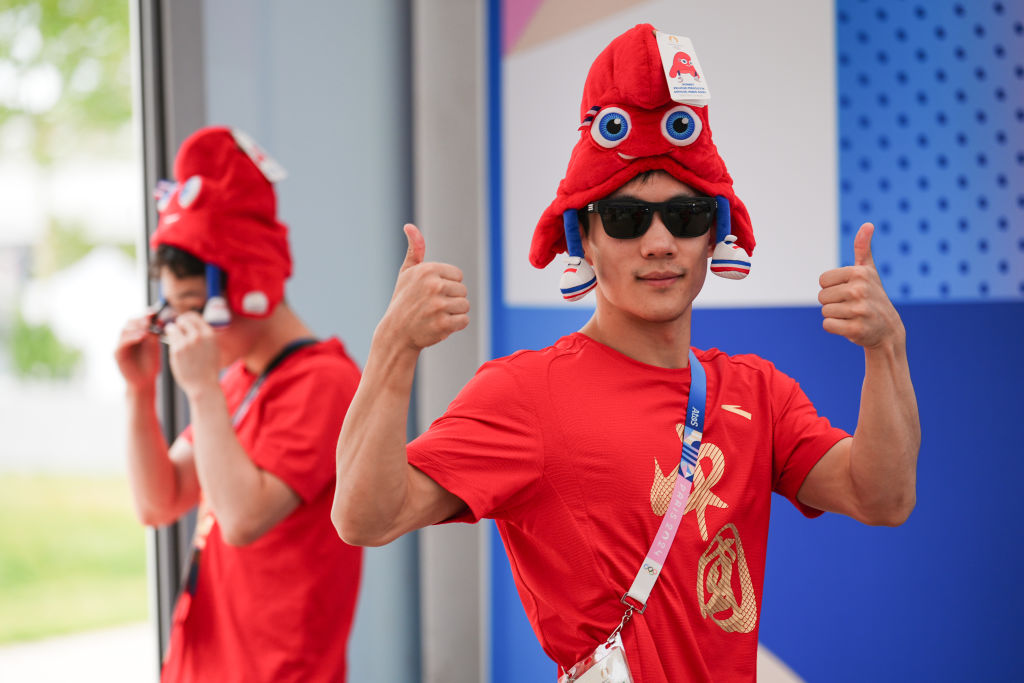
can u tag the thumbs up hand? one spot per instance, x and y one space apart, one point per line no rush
429 302
854 304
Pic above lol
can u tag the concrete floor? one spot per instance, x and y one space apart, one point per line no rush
127 654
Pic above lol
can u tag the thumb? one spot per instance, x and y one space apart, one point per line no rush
862 246
417 247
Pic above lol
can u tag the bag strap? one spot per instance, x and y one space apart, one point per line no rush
635 599
188 584
250 395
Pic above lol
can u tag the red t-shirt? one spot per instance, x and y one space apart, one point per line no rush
279 609
573 451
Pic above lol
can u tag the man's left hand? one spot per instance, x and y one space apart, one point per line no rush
194 355
854 304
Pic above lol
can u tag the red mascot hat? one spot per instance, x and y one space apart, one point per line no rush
631 124
223 211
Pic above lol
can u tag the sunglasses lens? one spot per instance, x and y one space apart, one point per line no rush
159 319
628 219
688 218
625 221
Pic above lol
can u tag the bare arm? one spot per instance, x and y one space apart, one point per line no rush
873 476
379 496
246 499
164 484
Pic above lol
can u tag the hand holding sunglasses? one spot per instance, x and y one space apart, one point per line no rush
627 218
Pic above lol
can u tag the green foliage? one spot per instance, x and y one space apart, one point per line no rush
36 351
62 245
72 555
71 62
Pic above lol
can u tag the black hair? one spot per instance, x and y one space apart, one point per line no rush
641 178
181 263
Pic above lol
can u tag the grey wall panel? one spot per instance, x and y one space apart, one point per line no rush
450 184
325 88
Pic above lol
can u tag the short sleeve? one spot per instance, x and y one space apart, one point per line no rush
800 438
488 447
300 411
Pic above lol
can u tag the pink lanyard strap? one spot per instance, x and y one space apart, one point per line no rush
635 599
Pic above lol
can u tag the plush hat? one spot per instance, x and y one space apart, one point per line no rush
631 124
222 209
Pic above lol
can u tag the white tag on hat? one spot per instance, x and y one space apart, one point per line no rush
273 171
683 73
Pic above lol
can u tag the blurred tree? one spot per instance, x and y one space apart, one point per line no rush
37 352
63 243
65 75
65 93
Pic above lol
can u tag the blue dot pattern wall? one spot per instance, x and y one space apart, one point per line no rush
931 136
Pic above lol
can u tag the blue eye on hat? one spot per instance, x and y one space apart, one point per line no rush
681 126
611 127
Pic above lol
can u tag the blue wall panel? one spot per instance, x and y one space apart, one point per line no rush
937 599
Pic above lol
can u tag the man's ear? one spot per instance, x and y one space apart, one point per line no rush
585 232
711 244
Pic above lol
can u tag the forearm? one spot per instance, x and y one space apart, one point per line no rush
372 482
232 484
154 480
883 457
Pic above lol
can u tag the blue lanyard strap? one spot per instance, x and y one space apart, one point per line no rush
694 425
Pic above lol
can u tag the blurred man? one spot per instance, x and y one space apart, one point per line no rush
630 474
270 590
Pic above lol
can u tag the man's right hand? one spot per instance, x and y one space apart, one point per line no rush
138 354
429 302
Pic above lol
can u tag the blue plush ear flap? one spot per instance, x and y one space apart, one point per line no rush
578 278
729 260
216 312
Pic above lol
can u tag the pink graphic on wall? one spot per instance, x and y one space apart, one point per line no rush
515 16
527 23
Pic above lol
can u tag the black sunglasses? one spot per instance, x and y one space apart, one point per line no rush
163 315
628 218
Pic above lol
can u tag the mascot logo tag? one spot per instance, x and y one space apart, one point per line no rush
682 70
681 65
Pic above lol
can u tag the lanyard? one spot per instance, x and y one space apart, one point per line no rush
693 429
250 395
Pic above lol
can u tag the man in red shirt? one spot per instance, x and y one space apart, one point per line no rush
620 439
271 591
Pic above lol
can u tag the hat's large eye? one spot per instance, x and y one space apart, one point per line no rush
681 126
610 127
189 191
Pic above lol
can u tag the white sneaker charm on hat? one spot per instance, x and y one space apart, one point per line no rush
215 312
729 260
578 278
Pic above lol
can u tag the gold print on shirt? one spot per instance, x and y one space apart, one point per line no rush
702 496
661 489
715 593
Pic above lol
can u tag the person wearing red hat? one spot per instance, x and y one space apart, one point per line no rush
270 591
629 474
